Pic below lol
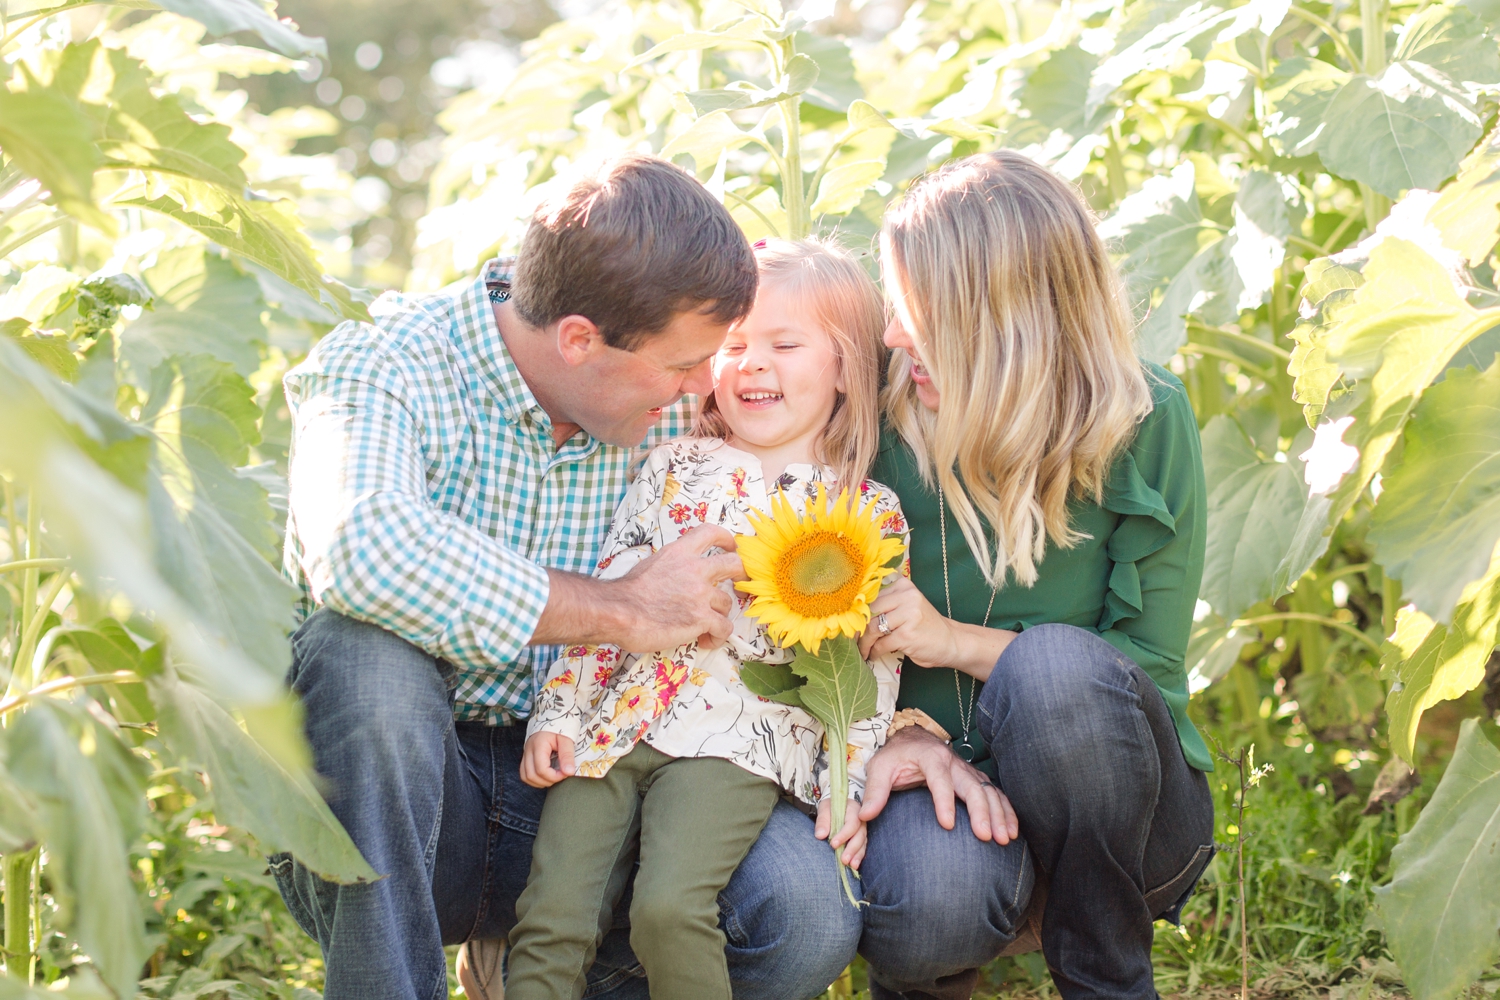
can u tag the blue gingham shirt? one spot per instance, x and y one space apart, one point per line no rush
426 493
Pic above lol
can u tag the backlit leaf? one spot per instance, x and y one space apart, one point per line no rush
1407 128
1253 508
250 788
46 134
706 138
89 792
1468 212
1434 662
843 186
1438 519
224 17
1442 907
204 305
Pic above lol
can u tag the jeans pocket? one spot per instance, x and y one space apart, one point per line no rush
284 870
1165 902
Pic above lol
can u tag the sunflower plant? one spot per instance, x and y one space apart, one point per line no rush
813 577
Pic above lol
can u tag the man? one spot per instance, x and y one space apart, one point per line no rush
454 468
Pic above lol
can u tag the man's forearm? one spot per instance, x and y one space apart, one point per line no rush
582 609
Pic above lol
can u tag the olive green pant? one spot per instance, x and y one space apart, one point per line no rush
694 818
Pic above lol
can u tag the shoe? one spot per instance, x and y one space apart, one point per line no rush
478 968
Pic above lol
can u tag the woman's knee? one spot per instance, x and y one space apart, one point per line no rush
939 901
789 927
1059 681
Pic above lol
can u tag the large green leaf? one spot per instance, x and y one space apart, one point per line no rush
1325 283
1432 663
262 232
204 305
1253 508
1056 90
83 984
1452 41
835 88
250 788
214 531
89 792
1441 909
105 527
1409 127
145 129
840 688
224 17
1438 520
707 138
45 133
1156 231
20 825
1209 287
842 187
1299 93
1397 331
1262 222
776 681
1468 212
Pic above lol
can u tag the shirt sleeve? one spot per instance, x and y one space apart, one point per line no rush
1157 550
373 547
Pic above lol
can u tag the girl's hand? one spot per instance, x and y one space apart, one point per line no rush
536 759
852 837
921 634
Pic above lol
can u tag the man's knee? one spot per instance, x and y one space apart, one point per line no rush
940 901
366 677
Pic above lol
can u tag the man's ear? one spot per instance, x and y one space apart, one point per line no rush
578 339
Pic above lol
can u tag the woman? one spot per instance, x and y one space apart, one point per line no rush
1054 488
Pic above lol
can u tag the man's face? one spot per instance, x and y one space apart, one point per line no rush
622 393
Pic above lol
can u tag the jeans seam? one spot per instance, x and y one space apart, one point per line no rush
491 832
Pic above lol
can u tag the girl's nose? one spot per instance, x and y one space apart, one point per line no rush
752 361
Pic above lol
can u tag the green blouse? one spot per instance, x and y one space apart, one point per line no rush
1133 581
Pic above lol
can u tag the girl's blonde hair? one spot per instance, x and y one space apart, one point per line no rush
994 266
847 306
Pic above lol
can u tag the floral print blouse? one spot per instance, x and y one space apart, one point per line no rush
688 702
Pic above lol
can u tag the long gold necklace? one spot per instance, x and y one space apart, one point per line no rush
964 749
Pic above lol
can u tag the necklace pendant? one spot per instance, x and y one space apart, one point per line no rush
965 751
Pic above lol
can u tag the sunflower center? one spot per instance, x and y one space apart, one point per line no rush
819 575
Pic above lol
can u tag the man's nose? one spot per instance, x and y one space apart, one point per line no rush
699 380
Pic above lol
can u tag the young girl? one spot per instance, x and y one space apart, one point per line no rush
678 763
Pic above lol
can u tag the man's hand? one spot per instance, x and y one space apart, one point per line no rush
536 759
915 757
852 837
670 598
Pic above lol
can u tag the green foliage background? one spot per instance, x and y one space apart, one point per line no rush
1303 198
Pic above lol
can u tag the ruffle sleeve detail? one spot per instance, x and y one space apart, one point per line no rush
1145 527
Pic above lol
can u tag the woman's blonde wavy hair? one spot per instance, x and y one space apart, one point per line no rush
846 304
994 266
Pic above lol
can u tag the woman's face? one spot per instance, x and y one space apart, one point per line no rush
898 337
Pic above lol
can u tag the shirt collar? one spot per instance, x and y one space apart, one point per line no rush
487 348
493 360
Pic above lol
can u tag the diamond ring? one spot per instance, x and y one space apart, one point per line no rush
881 625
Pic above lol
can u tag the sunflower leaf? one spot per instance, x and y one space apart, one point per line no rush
775 681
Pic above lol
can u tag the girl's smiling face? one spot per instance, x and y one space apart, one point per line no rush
777 378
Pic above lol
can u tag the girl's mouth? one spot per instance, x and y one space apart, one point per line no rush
759 399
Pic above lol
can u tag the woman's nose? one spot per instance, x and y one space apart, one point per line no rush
896 337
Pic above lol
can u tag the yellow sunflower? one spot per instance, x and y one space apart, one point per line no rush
814 576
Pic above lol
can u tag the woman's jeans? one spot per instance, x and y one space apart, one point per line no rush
441 811
1112 818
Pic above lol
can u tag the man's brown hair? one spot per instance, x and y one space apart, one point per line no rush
630 245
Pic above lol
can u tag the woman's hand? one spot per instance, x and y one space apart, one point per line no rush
920 633
852 837
914 757
536 759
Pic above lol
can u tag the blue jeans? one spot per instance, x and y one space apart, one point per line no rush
1113 819
440 809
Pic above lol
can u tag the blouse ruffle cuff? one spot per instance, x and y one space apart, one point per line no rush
1146 527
